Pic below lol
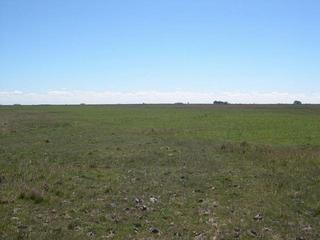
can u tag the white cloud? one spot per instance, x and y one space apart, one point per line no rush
114 97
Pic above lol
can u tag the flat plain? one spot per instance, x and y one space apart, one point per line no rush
160 172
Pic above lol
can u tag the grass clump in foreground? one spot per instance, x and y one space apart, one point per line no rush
31 194
160 172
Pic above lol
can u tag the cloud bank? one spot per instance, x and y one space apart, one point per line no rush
114 97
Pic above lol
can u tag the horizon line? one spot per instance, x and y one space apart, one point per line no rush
175 104
75 97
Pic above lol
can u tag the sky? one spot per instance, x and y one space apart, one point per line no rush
134 51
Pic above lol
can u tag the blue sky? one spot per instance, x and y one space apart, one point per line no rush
163 46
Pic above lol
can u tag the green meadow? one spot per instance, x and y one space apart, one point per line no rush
160 172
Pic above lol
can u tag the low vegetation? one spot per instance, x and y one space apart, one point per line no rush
220 102
160 172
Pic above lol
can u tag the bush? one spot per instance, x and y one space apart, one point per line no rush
31 194
220 102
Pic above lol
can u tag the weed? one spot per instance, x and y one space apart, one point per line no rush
31 194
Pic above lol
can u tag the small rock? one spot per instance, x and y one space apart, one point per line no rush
77 228
253 233
307 228
16 210
153 200
204 211
212 221
258 217
237 232
199 237
143 208
91 234
111 234
114 218
138 200
154 230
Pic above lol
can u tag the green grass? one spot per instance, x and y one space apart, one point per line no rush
191 172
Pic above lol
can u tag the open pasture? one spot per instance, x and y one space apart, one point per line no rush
160 172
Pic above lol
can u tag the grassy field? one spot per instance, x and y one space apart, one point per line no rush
160 172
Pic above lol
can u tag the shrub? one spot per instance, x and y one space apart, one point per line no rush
31 194
220 102
296 102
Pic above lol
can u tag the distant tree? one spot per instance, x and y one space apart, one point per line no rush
296 102
220 102
82 104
